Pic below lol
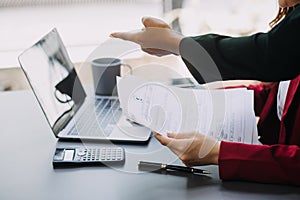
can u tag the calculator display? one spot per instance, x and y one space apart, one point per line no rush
69 154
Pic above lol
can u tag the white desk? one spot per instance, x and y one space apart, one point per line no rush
27 146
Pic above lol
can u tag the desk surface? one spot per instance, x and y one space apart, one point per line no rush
26 150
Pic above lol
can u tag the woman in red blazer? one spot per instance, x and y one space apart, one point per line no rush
270 57
278 160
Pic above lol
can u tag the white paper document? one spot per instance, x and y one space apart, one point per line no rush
223 114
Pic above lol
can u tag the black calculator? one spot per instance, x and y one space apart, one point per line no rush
76 157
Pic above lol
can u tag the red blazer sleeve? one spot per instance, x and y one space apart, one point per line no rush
260 163
261 92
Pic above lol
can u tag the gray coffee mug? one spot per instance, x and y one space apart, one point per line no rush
104 72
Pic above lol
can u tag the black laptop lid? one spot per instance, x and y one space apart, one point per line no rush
53 79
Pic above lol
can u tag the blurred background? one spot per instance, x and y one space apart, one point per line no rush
84 24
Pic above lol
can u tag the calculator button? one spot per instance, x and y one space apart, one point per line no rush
80 152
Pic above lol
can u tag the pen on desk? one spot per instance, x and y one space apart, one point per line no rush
160 166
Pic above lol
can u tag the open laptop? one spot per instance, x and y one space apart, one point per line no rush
70 112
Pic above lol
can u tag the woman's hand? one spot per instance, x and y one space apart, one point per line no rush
192 148
156 38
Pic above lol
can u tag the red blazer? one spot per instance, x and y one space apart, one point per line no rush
278 159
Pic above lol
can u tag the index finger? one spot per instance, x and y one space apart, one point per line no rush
124 36
163 140
172 144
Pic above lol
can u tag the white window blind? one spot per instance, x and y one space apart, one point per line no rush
14 3
83 24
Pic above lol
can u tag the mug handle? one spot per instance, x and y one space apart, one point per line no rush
129 66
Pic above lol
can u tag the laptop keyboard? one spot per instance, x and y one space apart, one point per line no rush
98 118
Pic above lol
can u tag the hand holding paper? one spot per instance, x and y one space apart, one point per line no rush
222 114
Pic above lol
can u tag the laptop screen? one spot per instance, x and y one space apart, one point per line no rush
53 79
